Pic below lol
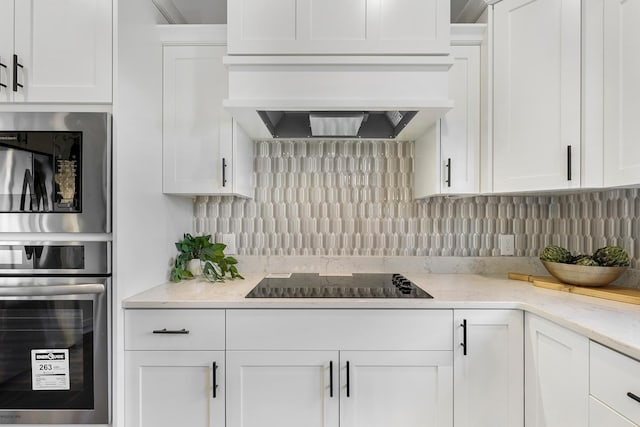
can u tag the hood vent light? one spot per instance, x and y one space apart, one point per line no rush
336 124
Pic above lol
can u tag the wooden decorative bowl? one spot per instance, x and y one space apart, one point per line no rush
583 275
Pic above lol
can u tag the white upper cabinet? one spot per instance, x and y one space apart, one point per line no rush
338 27
447 157
536 95
621 92
56 51
204 151
6 50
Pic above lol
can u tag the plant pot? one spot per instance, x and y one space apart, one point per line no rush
195 267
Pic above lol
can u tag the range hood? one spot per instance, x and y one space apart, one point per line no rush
382 97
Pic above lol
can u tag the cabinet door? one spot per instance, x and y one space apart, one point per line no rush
600 415
6 49
282 389
196 128
65 49
536 90
460 128
556 375
621 92
338 27
396 388
174 388
489 378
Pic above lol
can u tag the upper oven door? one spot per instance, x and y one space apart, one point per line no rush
55 172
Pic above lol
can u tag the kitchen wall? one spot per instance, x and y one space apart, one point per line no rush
343 198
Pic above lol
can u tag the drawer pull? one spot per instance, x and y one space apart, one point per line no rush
348 381
448 166
568 163
463 344
171 331
331 378
634 397
214 379
16 65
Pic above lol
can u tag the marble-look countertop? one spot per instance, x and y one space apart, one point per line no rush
614 324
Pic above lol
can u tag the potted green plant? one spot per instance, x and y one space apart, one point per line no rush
210 257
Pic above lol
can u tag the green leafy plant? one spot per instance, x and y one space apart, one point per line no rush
215 265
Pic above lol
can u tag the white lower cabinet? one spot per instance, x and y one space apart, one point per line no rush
346 388
395 388
556 375
600 415
352 368
488 368
174 388
174 368
614 387
282 388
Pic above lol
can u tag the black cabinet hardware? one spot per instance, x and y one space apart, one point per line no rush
348 382
448 166
171 331
568 163
331 378
5 67
16 65
634 397
224 172
464 337
214 368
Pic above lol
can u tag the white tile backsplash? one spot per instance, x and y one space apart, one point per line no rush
354 198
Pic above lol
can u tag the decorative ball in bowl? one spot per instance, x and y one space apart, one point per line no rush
583 275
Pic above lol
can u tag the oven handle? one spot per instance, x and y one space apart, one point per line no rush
29 291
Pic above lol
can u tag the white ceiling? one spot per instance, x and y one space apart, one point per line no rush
215 11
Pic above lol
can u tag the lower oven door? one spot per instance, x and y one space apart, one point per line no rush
54 363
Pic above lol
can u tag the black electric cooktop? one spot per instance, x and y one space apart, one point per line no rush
357 285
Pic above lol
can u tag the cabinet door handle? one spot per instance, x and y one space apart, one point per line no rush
568 163
214 378
171 331
464 337
16 64
224 172
5 67
348 381
448 166
634 397
331 378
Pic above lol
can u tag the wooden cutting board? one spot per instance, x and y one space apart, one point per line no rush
610 292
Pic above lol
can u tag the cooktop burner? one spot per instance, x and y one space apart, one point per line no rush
357 285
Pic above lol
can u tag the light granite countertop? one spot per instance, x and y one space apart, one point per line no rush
614 324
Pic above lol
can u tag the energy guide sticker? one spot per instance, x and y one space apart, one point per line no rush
50 369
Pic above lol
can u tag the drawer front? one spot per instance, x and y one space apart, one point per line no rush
613 376
339 329
600 415
174 329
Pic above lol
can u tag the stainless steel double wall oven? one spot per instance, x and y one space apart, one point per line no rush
55 294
